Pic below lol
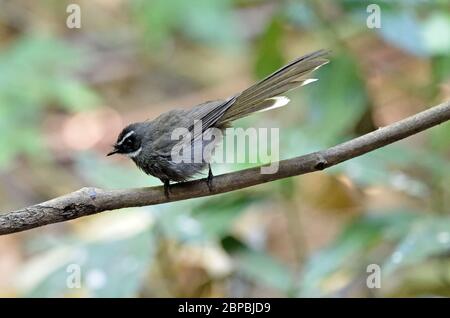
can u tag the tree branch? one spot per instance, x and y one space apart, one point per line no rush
87 201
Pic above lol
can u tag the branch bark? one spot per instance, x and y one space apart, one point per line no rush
87 201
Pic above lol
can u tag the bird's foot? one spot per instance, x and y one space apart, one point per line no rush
167 189
209 179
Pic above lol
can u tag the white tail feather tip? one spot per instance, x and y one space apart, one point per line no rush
309 80
280 101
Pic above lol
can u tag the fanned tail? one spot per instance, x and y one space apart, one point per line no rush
266 94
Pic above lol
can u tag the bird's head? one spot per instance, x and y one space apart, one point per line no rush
129 142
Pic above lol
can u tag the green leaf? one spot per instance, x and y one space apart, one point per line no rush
216 216
439 137
108 268
203 218
34 73
75 96
157 17
436 33
428 237
210 22
270 56
440 67
337 101
349 249
262 268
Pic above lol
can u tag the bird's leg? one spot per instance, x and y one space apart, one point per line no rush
209 179
166 187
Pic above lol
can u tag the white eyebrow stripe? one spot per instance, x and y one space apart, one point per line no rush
125 137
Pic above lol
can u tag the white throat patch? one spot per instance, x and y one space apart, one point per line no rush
134 153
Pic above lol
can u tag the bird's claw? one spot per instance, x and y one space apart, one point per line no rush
167 189
209 180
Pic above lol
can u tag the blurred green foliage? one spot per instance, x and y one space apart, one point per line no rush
110 268
36 72
207 21
270 54
355 242
339 103
41 74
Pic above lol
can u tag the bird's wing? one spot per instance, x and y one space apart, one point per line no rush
210 112
263 95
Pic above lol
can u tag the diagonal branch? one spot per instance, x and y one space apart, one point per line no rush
89 201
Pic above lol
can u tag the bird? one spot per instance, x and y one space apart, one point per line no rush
150 143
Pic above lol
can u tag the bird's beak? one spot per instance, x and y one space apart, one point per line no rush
112 152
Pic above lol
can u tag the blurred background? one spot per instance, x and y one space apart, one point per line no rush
66 93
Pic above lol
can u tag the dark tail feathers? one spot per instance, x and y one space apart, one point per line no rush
266 93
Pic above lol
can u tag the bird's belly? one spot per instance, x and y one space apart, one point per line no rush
168 170
188 161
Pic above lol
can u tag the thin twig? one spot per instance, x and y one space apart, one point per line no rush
89 201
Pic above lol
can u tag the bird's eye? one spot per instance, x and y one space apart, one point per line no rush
129 141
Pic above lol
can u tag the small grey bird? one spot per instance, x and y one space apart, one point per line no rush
150 143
